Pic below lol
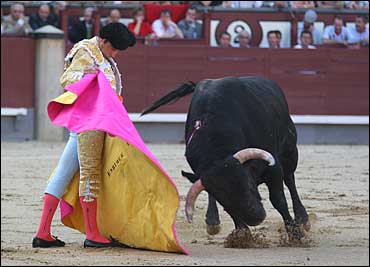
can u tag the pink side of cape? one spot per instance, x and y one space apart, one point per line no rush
98 108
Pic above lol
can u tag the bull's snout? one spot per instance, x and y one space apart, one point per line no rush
251 216
255 216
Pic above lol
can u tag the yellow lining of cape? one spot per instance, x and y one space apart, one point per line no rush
137 204
66 98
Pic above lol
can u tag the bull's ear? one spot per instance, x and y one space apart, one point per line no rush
191 177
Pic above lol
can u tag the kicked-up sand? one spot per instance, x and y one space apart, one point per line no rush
333 182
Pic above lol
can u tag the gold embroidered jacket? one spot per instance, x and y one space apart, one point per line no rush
84 54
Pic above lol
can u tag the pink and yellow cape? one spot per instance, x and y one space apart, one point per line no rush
138 200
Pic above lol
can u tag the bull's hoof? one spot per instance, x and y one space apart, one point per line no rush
213 229
294 230
295 233
303 220
306 226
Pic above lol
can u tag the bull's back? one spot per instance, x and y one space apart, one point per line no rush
235 95
251 88
252 108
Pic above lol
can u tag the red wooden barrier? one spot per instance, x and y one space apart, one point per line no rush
320 82
17 72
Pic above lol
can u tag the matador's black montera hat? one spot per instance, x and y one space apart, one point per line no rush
118 35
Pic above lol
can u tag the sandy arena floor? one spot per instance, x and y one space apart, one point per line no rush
333 182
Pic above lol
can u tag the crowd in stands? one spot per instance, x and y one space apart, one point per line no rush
227 4
164 27
230 4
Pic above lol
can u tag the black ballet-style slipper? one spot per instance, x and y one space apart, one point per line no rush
114 243
41 243
117 244
93 244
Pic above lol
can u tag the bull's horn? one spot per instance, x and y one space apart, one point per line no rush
191 198
254 153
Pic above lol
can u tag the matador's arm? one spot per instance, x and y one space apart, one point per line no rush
74 70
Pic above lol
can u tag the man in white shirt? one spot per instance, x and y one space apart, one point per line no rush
360 34
336 33
164 27
306 41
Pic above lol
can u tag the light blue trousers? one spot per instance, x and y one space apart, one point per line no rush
68 164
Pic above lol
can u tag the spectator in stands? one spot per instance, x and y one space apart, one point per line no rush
336 33
357 4
42 18
302 4
306 41
242 4
2 26
208 3
244 39
15 23
276 4
330 4
273 40
225 40
58 7
359 35
189 26
308 24
279 36
83 29
130 2
164 27
227 4
142 28
114 16
139 27
268 4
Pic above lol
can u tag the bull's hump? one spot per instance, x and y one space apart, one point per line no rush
218 80
209 84
230 79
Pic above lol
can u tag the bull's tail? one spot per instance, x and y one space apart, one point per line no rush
184 90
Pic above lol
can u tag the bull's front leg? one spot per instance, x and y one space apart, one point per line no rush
300 213
278 200
212 217
289 162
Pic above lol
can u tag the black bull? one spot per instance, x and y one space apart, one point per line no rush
239 134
